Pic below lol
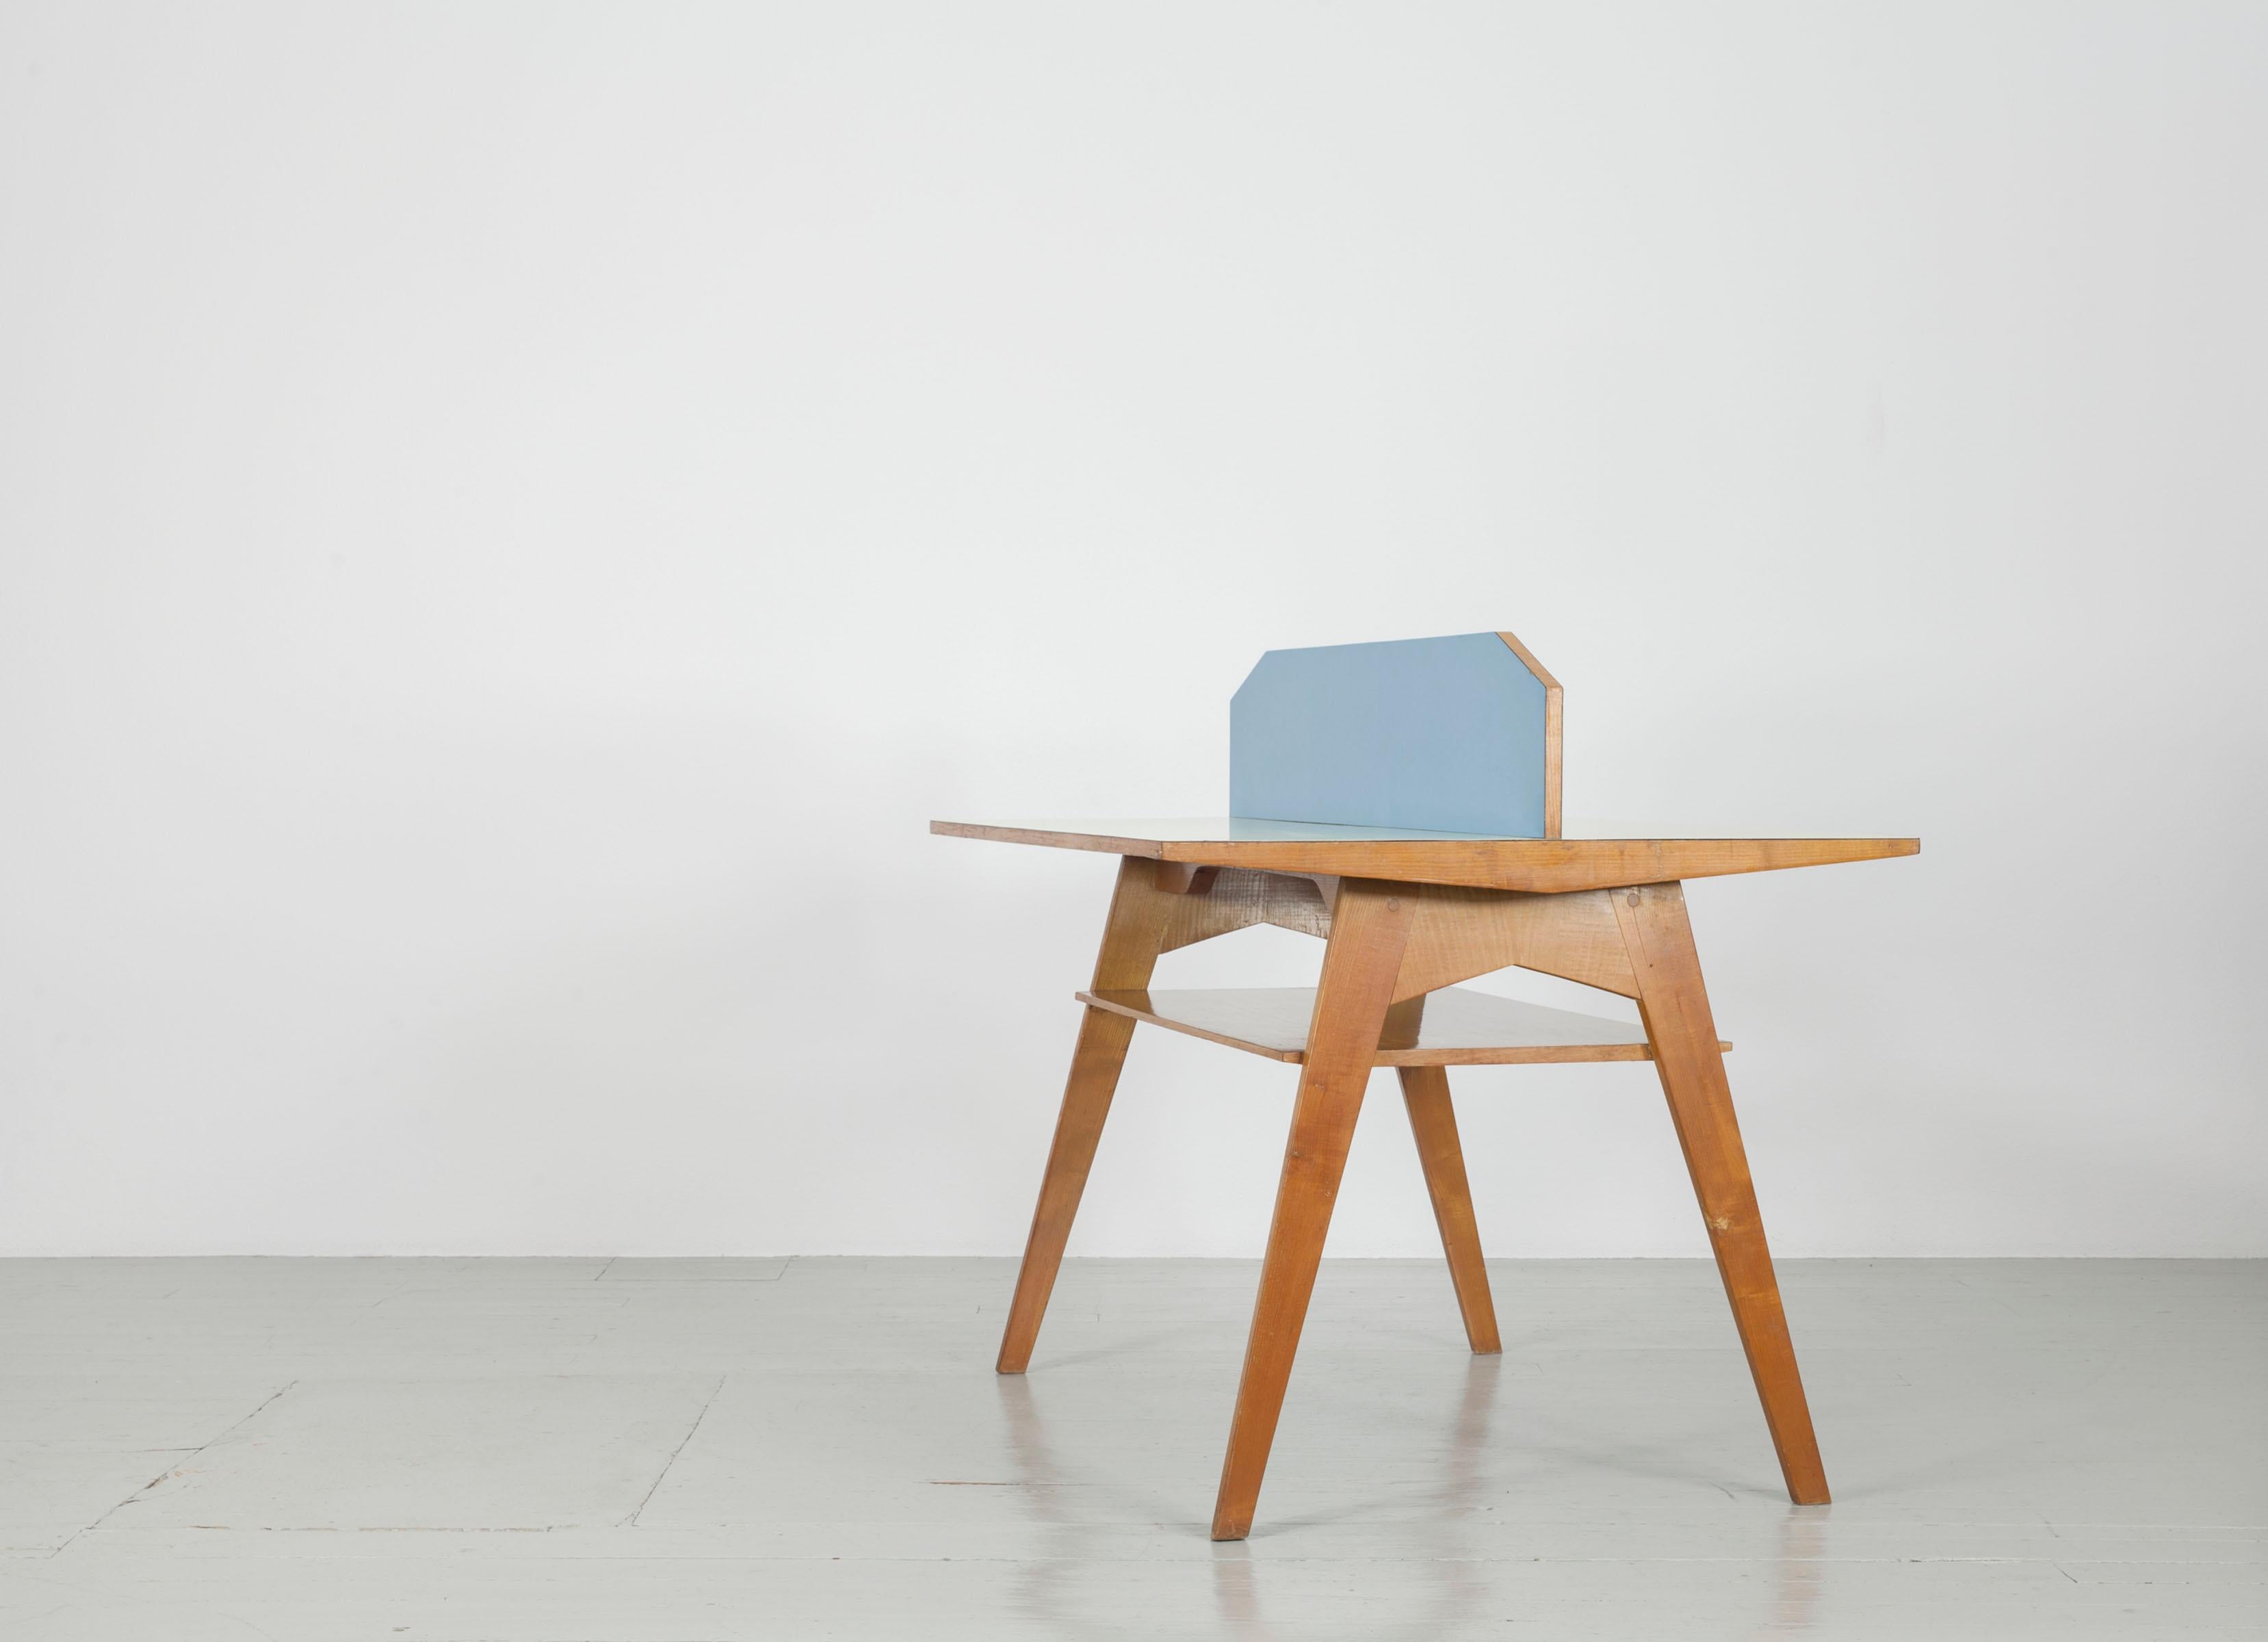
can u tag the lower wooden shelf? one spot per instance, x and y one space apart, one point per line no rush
1450 1027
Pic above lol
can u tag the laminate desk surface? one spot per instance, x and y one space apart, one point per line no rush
1548 865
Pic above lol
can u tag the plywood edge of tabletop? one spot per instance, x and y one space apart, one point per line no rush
1104 842
1554 866
1549 865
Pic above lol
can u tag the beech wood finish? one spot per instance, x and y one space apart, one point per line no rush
1554 733
1433 1124
1676 1007
1458 1028
1462 933
1235 898
1370 922
1131 938
1399 935
1550 866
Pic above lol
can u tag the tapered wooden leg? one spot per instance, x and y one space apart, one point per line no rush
1130 940
1094 1067
1426 1093
1370 922
1675 1008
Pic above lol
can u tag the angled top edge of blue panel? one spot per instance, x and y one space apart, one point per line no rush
1438 734
1372 646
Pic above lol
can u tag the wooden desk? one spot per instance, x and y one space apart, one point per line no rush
1406 915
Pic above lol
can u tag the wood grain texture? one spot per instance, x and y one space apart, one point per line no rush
1554 733
1131 932
1459 933
1179 878
1236 900
1546 866
1676 1007
1461 1027
1369 923
1434 1124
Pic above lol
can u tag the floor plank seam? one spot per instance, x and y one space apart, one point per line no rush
715 1391
173 1470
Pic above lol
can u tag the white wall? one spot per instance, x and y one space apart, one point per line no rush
512 519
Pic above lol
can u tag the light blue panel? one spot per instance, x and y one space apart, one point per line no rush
1438 734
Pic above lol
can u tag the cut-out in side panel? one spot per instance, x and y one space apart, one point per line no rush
1440 734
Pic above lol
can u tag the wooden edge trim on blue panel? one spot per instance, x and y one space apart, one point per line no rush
1555 731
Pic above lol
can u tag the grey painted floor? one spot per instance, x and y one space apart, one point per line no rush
673 1451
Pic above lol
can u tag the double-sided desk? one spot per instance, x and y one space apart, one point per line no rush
1406 915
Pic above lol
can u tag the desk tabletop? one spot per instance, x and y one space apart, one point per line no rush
1547 865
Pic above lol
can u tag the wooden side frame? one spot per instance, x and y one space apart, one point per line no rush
1388 945
1457 933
